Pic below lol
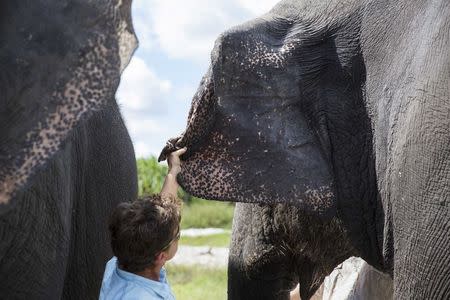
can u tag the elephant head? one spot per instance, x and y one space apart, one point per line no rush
339 108
61 60
280 116
257 131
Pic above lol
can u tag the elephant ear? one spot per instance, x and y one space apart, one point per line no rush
61 60
249 137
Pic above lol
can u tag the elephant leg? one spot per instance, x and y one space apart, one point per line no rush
109 177
422 266
274 247
35 237
55 240
242 286
256 269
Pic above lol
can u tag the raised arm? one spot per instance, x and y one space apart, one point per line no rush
170 185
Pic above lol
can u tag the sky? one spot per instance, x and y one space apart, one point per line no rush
175 41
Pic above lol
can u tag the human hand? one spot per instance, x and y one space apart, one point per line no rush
174 161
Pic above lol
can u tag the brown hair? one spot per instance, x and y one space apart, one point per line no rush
141 228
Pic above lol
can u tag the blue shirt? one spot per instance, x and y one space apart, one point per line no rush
122 285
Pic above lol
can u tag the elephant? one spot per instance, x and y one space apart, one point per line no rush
329 123
66 158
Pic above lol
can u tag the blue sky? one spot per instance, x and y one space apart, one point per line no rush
176 38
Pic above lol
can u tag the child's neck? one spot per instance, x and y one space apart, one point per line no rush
151 273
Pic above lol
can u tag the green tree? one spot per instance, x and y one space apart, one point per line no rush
151 175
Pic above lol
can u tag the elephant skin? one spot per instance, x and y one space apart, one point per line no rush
66 159
339 111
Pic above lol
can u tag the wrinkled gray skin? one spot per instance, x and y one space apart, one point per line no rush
339 111
274 247
66 159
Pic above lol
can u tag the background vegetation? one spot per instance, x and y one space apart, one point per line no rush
192 282
151 175
197 283
213 240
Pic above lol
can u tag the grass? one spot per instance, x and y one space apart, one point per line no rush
197 283
201 213
213 240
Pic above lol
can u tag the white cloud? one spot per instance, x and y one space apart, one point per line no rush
188 29
146 36
142 127
144 100
142 149
149 131
144 132
258 7
141 90
149 135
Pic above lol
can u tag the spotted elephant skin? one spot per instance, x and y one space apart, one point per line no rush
66 159
339 110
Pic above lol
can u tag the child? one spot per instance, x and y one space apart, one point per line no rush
144 235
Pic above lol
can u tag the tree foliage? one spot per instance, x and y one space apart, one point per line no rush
151 175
